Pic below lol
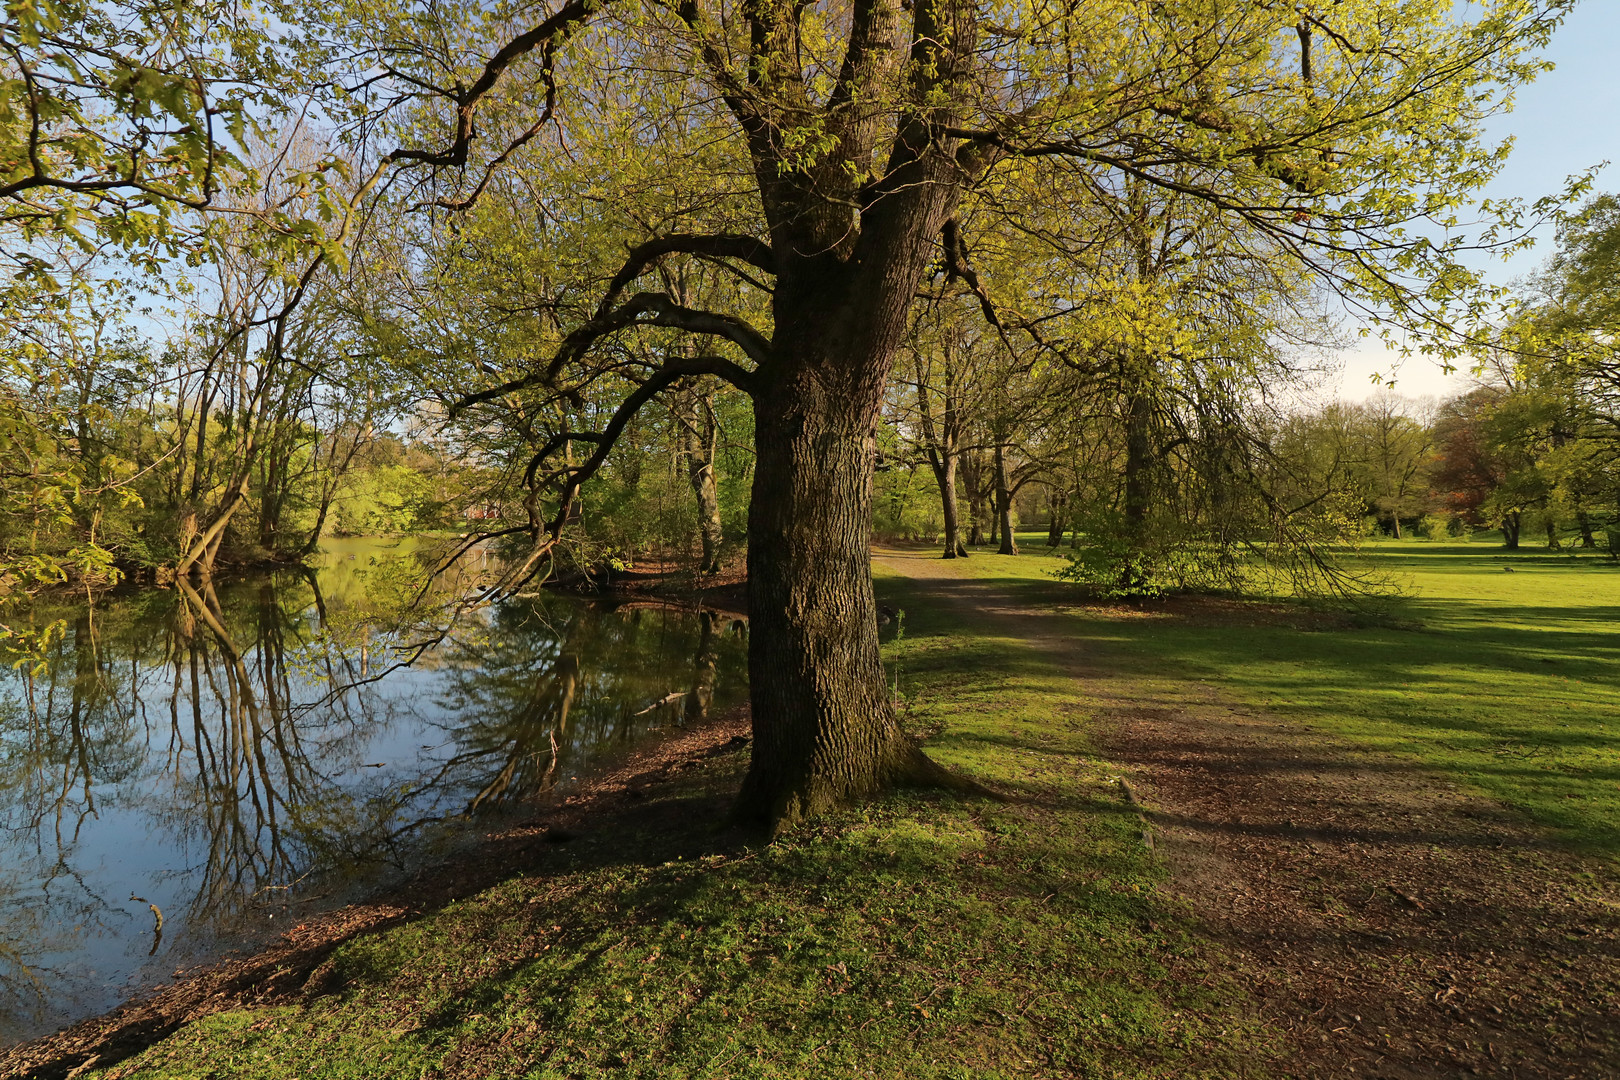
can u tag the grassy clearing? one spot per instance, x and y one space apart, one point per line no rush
1506 681
922 937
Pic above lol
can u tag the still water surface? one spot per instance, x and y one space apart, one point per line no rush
233 759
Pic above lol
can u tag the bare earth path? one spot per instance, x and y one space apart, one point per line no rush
1391 923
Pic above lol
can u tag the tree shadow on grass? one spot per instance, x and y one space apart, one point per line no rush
987 933
1532 715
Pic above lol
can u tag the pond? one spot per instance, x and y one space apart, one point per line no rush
228 757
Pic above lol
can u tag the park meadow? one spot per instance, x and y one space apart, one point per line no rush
564 539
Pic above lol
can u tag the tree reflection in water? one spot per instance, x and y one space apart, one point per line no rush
219 749
534 693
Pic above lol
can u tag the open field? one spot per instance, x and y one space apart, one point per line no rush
1507 681
1384 913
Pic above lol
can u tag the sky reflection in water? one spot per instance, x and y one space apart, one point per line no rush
219 755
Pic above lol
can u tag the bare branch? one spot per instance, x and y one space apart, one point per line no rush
545 37
719 246
664 312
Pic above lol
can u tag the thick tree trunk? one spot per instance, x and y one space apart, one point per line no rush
1510 530
1004 498
1552 534
825 731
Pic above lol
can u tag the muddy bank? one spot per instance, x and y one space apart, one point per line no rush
291 968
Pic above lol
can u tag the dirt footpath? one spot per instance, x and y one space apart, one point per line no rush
1391 924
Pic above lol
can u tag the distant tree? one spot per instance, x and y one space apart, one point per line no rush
1567 349
1472 464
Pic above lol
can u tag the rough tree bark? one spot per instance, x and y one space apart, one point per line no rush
825 730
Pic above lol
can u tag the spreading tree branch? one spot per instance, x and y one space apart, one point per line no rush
635 312
545 37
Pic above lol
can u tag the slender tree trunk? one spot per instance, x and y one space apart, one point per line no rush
954 548
202 550
943 458
1552 534
943 462
1004 498
1138 463
274 465
314 540
698 428
1395 525
335 471
1059 501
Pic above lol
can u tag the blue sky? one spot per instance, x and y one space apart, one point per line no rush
1566 121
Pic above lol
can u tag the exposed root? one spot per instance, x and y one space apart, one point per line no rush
809 795
918 770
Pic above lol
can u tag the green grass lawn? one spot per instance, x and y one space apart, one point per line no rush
924 936
932 936
1506 681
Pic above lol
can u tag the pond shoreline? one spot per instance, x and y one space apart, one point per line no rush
726 591
295 965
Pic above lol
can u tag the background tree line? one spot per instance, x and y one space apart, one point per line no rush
119 450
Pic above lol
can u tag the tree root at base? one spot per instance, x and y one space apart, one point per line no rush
921 771
813 796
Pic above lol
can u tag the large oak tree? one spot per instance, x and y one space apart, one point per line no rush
852 138
826 154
